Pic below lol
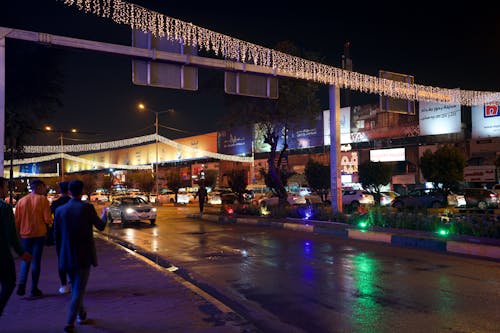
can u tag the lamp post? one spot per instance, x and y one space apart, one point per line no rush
142 106
49 128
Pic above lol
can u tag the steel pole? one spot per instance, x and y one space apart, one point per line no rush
156 169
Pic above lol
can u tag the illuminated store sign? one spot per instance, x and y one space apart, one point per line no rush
387 155
486 120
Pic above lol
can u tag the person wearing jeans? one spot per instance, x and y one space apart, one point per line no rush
74 238
63 199
32 218
9 240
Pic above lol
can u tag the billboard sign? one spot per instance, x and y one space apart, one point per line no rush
387 155
486 120
345 126
438 118
306 134
236 141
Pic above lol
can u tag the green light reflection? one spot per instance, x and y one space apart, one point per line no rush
367 312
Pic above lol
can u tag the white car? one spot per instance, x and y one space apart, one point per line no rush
272 199
99 197
131 209
166 196
184 197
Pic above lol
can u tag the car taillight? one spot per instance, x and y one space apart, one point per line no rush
493 195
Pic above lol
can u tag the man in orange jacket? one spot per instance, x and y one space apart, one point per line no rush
32 218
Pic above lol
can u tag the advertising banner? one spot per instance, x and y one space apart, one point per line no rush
306 134
439 118
236 141
345 126
486 120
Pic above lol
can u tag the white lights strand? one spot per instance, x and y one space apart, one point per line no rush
199 153
158 24
90 146
92 163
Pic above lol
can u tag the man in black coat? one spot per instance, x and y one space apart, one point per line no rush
73 226
63 199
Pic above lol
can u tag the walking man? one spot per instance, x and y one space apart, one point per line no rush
202 197
32 218
9 240
64 198
73 226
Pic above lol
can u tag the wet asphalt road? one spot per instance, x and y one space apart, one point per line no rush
291 281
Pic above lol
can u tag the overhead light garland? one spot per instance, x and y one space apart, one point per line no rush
138 17
60 152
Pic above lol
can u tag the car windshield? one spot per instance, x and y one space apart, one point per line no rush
132 201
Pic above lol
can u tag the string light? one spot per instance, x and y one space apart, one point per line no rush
60 152
158 24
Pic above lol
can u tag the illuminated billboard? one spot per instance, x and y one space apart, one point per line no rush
438 118
486 120
387 155
306 134
236 141
345 126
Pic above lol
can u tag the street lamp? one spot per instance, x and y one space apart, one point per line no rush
49 128
143 107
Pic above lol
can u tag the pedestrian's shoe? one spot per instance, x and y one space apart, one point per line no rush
70 329
21 290
81 318
64 289
35 292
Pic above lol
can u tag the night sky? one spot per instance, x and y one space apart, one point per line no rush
446 46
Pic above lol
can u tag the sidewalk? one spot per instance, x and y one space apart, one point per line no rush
125 294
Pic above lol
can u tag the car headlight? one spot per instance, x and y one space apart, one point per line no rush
153 209
129 211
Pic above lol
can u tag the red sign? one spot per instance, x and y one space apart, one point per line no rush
491 110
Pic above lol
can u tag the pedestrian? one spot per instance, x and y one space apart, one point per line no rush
64 198
202 197
9 240
32 219
73 227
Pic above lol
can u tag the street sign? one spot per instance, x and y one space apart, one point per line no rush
254 85
162 74
398 105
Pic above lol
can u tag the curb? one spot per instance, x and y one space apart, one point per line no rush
428 241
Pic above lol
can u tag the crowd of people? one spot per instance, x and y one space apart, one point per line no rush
69 222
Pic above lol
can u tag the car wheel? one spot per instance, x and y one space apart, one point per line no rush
123 222
482 205
110 218
152 221
436 204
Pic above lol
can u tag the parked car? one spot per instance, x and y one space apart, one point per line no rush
420 198
214 198
166 196
99 197
272 199
480 198
184 197
355 198
134 192
131 209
